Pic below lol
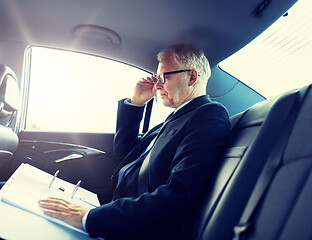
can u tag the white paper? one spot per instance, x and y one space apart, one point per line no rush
28 185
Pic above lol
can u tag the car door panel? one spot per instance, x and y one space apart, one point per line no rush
78 156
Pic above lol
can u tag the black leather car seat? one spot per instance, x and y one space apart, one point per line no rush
9 104
253 135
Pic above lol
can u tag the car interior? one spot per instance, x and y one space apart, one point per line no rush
261 188
9 104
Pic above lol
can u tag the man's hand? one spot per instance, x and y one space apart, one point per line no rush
66 211
144 91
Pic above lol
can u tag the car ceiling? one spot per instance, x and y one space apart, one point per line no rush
134 31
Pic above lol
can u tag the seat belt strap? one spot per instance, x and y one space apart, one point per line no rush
143 177
270 167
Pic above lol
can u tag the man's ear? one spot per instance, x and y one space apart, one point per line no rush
194 77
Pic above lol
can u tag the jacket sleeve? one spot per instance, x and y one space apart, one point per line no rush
192 165
127 128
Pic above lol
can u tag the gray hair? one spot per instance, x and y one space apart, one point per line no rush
189 56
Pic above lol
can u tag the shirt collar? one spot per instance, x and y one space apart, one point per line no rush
181 106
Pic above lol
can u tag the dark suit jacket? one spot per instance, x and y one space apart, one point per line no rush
182 160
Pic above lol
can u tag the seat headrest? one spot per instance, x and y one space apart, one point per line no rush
9 95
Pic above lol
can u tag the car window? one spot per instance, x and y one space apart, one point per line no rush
279 59
74 92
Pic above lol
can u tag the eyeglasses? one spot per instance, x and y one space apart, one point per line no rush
162 77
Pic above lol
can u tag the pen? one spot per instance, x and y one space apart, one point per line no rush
54 177
76 188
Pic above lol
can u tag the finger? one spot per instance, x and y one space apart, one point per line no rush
145 85
58 199
145 82
148 79
55 201
55 207
154 79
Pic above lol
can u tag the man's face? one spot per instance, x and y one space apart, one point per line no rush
176 89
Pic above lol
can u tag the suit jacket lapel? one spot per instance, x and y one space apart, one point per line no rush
196 102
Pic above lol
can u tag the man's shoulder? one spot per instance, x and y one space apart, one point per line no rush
204 103
214 106
211 111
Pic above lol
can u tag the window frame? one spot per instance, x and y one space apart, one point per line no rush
25 89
